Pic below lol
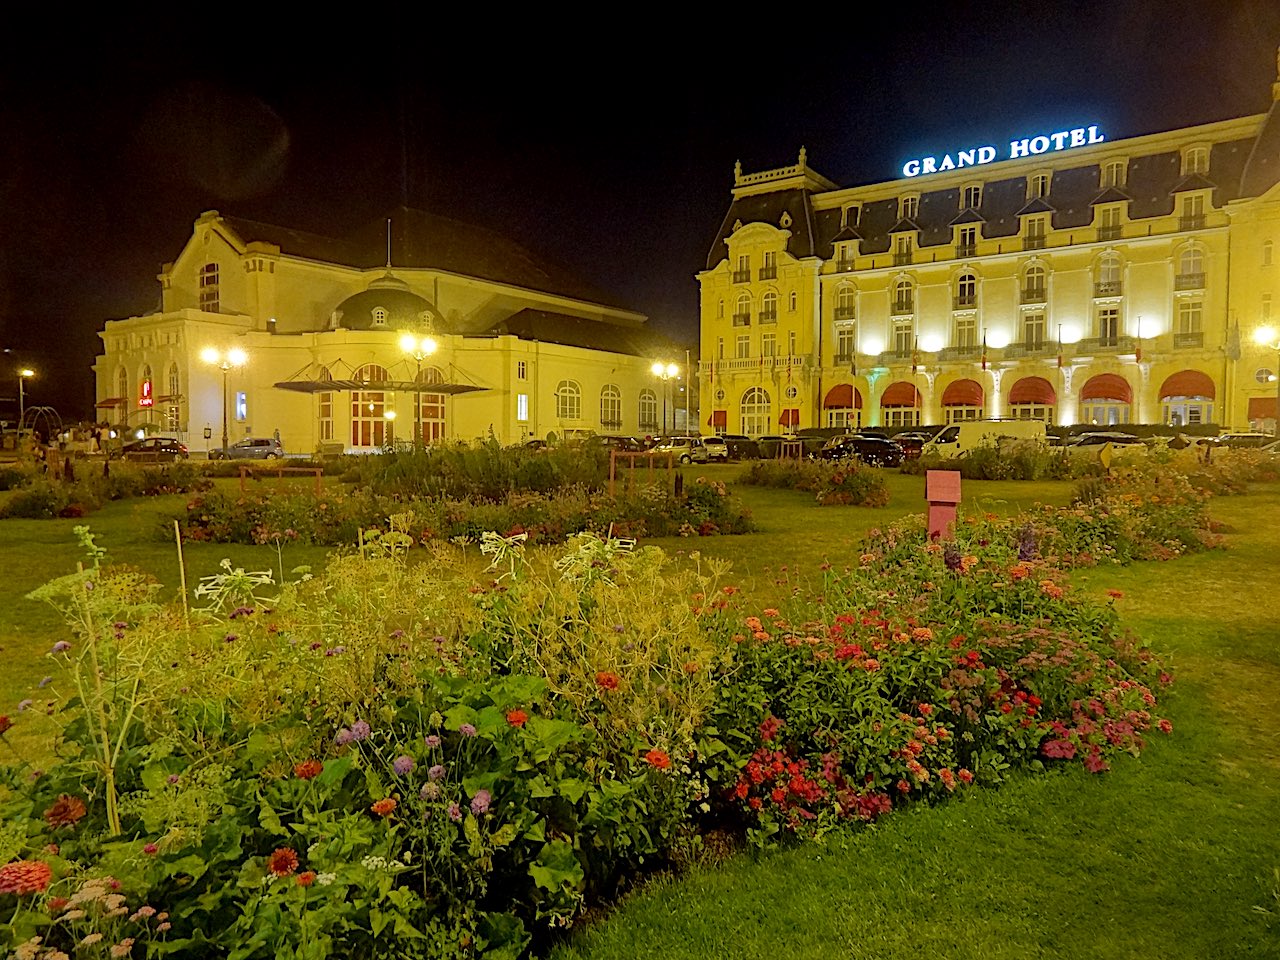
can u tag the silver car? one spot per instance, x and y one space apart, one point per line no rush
250 448
686 449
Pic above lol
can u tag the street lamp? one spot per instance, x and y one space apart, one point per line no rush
419 348
666 372
23 375
1270 337
224 361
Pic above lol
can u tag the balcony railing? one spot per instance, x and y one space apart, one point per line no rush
964 250
1188 281
768 316
902 259
844 313
613 423
768 273
896 355
963 352
1184 340
904 305
1031 348
1034 295
1111 344
964 301
1193 222
1109 233
741 276
844 266
1034 242
843 359
1108 288
742 319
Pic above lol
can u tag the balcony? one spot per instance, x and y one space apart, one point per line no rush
741 276
1031 348
1108 288
1110 233
1034 242
1111 344
768 316
844 313
1184 341
969 351
844 359
1034 295
903 306
613 423
844 266
1193 222
903 259
896 355
742 319
768 273
965 250
1188 281
964 301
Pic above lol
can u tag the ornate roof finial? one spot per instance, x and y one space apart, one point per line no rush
1275 87
737 170
804 156
388 244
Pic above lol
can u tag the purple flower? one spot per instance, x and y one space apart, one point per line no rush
120 625
480 802
618 628
174 778
61 646
25 705
436 772
455 812
241 612
429 791
402 765
230 638
397 634
467 730
360 730
45 682
315 645
344 737
432 741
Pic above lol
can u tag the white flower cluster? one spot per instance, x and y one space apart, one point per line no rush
381 863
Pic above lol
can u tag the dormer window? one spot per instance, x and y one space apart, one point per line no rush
1037 186
1037 229
379 316
909 208
1114 174
209 288
902 249
1195 160
851 215
971 197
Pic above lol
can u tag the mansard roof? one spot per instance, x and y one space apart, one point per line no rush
1194 181
1035 205
1112 194
967 215
1262 167
548 326
769 208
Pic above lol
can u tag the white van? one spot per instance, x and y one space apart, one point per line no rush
960 438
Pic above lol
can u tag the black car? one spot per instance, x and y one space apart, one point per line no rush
155 450
621 444
912 442
871 450
741 447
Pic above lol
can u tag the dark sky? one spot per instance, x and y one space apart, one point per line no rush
609 147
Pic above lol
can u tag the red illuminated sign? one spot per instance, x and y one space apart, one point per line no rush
145 399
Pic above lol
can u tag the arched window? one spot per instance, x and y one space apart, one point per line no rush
122 384
648 411
742 312
846 298
904 296
769 307
755 412
1190 269
1187 397
1035 283
611 407
173 411
369 410
966 291
1107 280
1267 248
324 409
209 288
568 400
1106 399
1195 160
429 422
379 316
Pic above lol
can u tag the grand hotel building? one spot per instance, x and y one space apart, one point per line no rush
1104 282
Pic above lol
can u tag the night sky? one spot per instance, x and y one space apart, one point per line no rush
611 153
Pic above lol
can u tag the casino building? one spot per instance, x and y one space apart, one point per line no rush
1064 276
504 343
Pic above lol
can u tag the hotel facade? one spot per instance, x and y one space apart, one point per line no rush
264 328
1062 276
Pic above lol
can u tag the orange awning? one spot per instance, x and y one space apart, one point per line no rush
900 394
843 396
110 402
789 418
1187 383
1033 390
1262 408
963 393
1107 386
719 418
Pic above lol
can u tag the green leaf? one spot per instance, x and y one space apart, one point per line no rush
572 790
557 867
504 835
537 832
334 771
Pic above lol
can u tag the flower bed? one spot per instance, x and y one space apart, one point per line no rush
43 499
846 484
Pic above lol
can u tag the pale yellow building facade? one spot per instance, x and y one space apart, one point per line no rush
1065 276
516 348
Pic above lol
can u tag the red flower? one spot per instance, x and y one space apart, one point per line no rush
607 681
65 812
740 791
5 725
925 709
517 718
282 862
308 769
754 803
778 795
1166 726
769 728
151 849
657 759
964 775
57 903
384 807
306 878
25 876
1116 594
871 665
1006 708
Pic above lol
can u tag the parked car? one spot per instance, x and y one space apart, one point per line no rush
686 449
871 450
1245 441
959 439
717 448
155 450
741 447
250 448
1103 437
912 442
626 444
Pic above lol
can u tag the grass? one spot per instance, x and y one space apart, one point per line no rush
1166 856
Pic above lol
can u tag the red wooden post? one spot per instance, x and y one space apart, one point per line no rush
942 490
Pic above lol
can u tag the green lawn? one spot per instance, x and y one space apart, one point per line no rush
1165 857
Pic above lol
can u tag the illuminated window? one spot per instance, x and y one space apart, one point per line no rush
1034 283
1033 330
522 408
209 288
769 307
429 416
768 345
1108 321
1264 312
368 409
966 291
172 413
568 400
324 409
242 406
903 296
966 331
611 406
846 298
770 269
1189 316
791 343
379 316
903 336
648 411
845 340
742 349
755 412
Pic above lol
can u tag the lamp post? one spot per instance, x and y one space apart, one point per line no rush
419 348
1270 337
225 361
23 375
666 372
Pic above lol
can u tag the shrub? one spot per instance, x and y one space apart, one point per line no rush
847 483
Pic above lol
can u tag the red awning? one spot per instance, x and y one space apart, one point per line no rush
1262 408
719 418
900 394
1187 383
1107 386
789 418
110 402
843 396
1033 390
963 393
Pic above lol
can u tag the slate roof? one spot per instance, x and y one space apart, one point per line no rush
769 208
1261 170
549 327
426 240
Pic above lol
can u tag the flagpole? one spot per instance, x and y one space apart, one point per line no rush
688 396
